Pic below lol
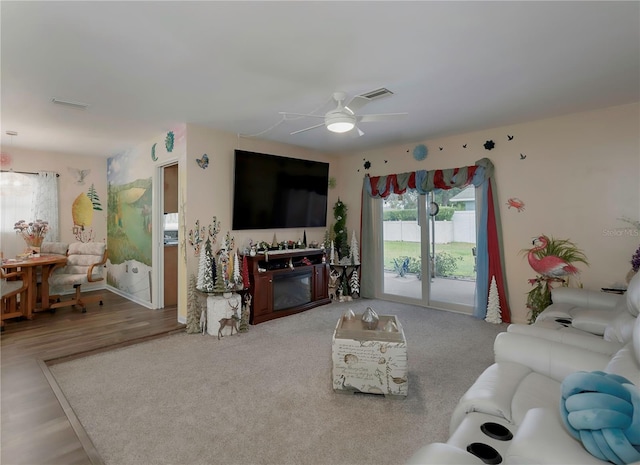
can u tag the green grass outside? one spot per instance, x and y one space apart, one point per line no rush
395 249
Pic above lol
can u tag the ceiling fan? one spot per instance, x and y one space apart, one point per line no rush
344 118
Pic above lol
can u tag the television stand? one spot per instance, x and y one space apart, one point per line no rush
284 282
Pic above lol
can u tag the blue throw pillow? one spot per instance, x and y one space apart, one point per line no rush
603 411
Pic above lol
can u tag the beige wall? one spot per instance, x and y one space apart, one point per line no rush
209 192
579 177
69 189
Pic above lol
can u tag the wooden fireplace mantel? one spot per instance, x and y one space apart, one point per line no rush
265 267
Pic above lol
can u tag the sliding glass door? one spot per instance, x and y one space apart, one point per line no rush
404 245
453 249
428 250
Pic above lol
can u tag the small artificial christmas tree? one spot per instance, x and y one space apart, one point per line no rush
354 284
219 286
193 307
205 271
493 304
355 250
344 287
329 236
243 326
236 271
202 263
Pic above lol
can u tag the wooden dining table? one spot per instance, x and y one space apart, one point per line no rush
46 262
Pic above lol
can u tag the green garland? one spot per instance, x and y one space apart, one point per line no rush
341 242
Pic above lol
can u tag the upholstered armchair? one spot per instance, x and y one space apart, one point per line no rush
49 248
57 248
84 265
12 285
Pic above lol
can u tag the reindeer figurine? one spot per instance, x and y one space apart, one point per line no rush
231 322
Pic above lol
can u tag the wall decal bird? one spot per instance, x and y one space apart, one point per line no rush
509 137
550 266
78 175
464 146
203 162
522 157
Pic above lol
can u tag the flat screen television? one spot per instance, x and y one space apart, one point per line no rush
275 192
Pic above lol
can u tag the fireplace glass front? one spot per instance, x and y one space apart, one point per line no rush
291 289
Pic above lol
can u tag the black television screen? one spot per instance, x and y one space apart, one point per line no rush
273 192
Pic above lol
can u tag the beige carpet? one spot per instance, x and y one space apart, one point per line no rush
265 397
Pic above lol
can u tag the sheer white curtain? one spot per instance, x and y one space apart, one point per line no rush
26 197
45 203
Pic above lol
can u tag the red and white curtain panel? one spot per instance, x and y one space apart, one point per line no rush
490 255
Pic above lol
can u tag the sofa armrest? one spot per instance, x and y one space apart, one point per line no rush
542 439
584 298
491 393
442 454
586 341
549 358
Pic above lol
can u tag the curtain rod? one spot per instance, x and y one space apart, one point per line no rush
22 172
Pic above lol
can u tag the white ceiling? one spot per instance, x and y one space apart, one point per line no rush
453 66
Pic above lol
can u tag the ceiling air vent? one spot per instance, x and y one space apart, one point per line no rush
66 103
378 93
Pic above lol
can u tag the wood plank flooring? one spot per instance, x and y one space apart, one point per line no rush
35 429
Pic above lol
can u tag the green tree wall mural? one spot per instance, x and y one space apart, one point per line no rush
95 199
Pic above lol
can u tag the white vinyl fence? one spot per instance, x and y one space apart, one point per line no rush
461 228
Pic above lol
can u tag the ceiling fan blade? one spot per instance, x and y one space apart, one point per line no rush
356 103
307 129
382 117
285 113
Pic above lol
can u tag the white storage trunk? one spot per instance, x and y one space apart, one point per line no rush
370 361
219 307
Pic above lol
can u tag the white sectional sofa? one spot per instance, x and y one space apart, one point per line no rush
580 311
591 326
511 414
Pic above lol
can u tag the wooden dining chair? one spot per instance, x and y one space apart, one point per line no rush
13 285
84 265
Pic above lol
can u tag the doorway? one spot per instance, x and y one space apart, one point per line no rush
170 235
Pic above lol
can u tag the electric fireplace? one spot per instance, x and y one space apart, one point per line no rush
284 282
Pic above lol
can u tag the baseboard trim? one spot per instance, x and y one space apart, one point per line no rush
130 297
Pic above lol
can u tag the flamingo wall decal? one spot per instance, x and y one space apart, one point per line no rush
550 266
551 259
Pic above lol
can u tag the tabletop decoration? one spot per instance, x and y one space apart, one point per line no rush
33 233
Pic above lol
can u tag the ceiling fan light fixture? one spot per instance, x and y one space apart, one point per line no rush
339 122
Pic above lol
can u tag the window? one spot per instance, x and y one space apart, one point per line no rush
25 196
